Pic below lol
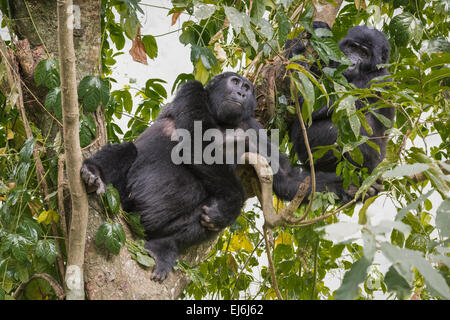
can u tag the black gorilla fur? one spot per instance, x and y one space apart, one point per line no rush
182 205
366 48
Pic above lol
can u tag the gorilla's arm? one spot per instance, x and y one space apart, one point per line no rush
109 165
286 179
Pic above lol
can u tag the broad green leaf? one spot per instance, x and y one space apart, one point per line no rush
92 91
362 212
29 229
47 73
338 232
395 282
235 18
204 12
369 244
284 26
436 75
145 260
406 170
27 150
266 28
404 28
151 47
46 249
123 97
112 235
113 198
86 134
385 226
352 278
405 259
443 218
355 124
53 101
134 221
17 245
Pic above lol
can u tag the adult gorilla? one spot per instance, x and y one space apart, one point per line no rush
183 204
366 48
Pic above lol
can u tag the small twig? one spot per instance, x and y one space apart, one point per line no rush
308 148
271 265
245 266
59 291
253 63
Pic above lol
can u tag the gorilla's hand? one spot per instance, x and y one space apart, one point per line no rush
92 179
211 218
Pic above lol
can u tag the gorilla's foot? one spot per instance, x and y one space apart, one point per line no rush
164 251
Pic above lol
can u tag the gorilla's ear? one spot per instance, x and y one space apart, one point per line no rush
385 53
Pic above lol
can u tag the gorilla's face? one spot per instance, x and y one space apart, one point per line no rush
366 48
361 57
232 99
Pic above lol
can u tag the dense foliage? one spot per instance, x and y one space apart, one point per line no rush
230 34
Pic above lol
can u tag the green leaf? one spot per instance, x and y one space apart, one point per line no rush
204 12
352 278
145 260
113 199
340 231
93 90
266 28
395 282
362 213
123 97
235 17
369 244
29 229
404 28
206 56
284 26
112 235
406 170
17 245
53 101
47 73
405 259
134 221
46 249
27 150
443 218
357 156
151 48
85 133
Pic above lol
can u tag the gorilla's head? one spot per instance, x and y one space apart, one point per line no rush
366 48
232 98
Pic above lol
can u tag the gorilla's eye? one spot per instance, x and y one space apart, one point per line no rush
246 87
235 81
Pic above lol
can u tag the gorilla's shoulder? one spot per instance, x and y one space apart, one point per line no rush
191 87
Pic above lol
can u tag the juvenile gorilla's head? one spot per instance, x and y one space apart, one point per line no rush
366 48
231 97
